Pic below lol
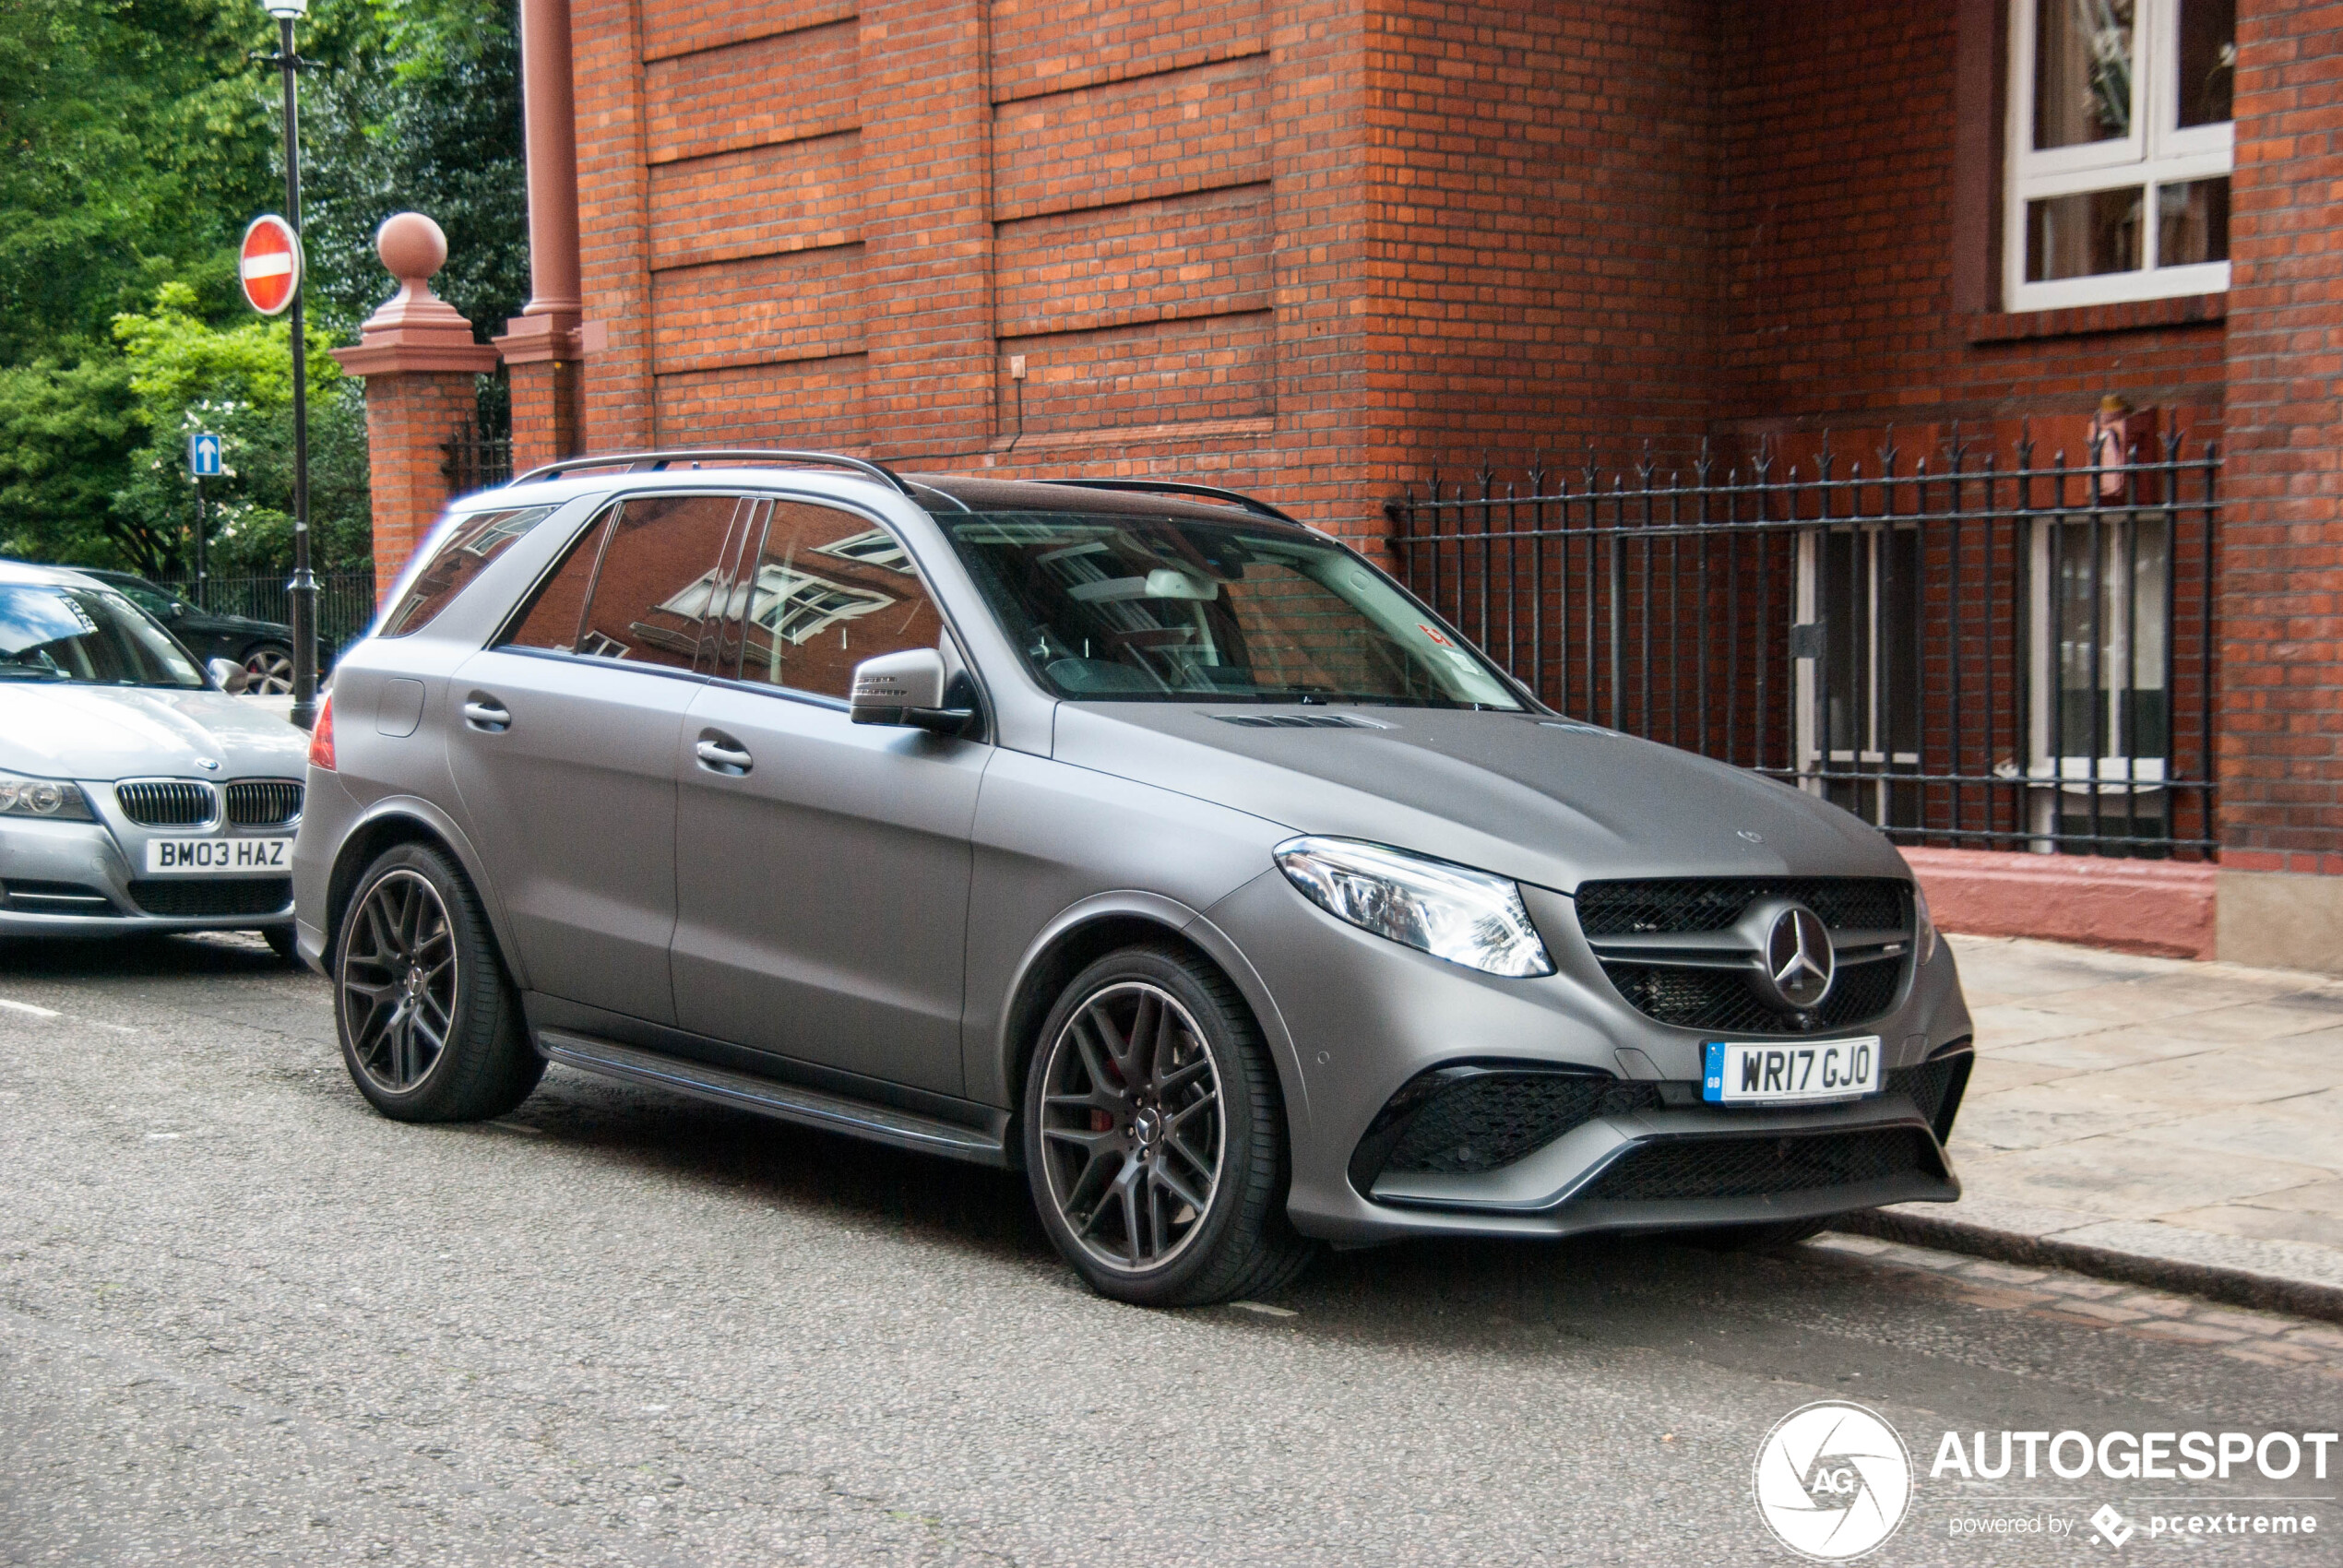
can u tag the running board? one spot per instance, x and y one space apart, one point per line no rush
813 1108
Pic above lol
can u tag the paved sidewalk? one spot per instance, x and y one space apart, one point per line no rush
2187 1117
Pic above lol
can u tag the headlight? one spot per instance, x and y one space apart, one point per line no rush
1924 933
1450 911
55 798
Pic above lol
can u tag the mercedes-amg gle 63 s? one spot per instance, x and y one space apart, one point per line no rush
1131 834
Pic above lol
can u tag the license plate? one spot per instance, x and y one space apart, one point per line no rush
217 857
1789 1073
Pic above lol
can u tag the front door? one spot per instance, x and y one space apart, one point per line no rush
562 746
1857 653
823 866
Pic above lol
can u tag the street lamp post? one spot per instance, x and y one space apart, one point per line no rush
305 582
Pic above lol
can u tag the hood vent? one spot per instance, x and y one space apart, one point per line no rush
1298 721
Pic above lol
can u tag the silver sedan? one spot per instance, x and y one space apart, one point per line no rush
136 792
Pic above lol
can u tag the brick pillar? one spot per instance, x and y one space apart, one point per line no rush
419 362
542 346
2281 740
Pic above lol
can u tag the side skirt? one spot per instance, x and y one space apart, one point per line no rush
982 1139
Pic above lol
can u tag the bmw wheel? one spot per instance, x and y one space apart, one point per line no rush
1155 1138
269 670
430 1024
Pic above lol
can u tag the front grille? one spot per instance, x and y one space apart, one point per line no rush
167 802
1484 1123
1721 1001
214 896
1935 1085
1845 903
1755 1166
263 802
24 896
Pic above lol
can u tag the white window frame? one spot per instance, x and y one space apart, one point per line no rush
2157 153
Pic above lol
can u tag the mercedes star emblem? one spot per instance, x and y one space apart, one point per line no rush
1798 960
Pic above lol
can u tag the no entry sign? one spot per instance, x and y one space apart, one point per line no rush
269 264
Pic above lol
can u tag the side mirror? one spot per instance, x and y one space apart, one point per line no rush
229 676
905 689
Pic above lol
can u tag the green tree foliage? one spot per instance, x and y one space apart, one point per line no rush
136 140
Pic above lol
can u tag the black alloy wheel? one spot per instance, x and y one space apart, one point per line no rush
1131 1127
430 1023
1155 1136
398 980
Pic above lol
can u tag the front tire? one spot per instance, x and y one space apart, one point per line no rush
430 1023
1155 1138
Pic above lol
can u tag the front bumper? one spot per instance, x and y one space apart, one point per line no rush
80 879
1368 1017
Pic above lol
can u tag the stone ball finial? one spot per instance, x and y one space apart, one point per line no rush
411 246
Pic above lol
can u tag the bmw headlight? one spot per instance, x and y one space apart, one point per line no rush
58 799
1450 911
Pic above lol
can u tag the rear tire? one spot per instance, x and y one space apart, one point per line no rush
430 1023
1155 1137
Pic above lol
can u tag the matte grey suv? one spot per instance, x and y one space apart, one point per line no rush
1132 834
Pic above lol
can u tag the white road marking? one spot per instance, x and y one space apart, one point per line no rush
1265 1309
29 1007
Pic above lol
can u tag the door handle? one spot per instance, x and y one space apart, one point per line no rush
722 754
484 712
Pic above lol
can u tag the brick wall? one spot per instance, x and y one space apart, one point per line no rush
1855 248
2282 582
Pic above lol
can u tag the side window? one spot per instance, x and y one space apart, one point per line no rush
636 586
552 619
473 543
828 590
652 596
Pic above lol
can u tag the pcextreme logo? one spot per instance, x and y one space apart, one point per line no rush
1833 1480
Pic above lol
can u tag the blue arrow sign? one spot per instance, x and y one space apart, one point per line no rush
203 455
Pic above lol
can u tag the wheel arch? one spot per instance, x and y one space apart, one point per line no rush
407 821
1090 929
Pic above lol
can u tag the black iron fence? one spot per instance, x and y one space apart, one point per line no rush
474 460
345 601
2004 655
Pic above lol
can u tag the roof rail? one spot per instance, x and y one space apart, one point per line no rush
1174 487
656 461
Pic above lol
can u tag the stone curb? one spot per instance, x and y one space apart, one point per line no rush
2232 1287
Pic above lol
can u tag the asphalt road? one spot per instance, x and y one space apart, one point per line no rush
243 1319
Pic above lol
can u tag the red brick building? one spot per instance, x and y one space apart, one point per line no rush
1320 247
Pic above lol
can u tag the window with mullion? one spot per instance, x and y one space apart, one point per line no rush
2120 148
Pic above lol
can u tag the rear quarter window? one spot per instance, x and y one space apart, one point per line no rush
476 541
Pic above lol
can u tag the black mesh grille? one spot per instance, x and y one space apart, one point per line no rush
1749 1166
263 802
1484 1123
214 896
167 802
1720 1000
1623 909
1928 1085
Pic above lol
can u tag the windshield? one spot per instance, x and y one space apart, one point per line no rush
90 637
1118 608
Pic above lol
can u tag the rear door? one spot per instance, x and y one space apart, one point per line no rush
563 739
823 866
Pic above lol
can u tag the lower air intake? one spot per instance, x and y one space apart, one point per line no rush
1756 1166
